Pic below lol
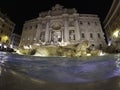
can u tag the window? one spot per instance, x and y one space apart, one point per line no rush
100 46
88 23
91 35
36 26
98 35
83 36
81 22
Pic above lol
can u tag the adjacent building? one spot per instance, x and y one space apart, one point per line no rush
15 40
6 29
112 25
61 26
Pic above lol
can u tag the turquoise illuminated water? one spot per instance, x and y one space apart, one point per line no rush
59 73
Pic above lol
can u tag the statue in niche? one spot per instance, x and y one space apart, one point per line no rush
42 36
56 36
72 35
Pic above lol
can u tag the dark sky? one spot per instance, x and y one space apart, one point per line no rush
21 10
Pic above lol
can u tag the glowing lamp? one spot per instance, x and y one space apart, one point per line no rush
116 33
5 38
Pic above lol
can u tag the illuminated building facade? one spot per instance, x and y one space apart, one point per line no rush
6 29
61 26
112 25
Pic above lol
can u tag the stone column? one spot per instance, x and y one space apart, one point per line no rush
62 35
47 33
37 34
66 31
77 31
50 36
32 35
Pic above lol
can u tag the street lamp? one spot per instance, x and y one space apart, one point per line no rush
5 38
116 33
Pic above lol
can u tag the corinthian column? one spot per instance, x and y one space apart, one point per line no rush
47 33
37 34
77 33
66 31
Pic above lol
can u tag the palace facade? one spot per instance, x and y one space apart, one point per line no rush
61 26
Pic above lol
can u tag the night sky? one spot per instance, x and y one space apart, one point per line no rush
21 10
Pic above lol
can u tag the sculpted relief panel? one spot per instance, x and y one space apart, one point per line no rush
56 25
56 36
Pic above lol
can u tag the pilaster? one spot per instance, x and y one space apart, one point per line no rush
66 31
38 33
47 32
77 33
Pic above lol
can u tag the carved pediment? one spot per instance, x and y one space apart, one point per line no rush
56 26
